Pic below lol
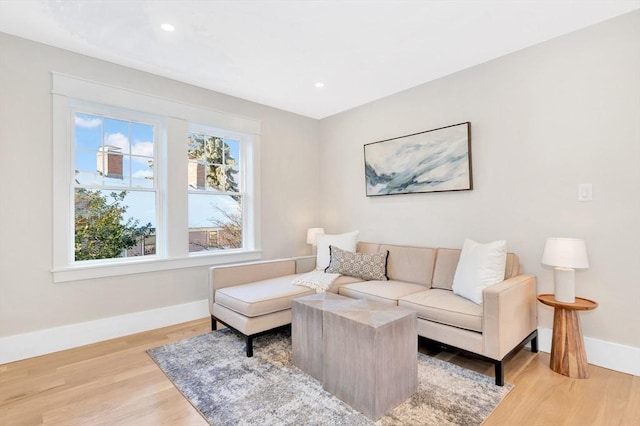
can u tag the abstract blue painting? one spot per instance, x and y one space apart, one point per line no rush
432 161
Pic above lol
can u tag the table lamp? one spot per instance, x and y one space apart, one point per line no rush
565 255
312 233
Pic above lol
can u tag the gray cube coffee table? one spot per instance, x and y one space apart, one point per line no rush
306 330
364 352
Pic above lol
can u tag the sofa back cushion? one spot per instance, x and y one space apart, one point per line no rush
445 268
410 264
368 247
512 268
447 261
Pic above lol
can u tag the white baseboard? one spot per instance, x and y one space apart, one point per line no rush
614 356
28 345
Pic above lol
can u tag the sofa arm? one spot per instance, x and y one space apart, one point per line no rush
510 315
305 264
243 273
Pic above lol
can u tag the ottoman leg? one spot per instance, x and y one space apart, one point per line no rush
249 346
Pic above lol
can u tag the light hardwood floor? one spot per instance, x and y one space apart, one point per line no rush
116 383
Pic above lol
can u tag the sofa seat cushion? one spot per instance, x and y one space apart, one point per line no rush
381 291
341 281
445 307
261 297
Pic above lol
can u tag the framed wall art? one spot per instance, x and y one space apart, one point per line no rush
432 161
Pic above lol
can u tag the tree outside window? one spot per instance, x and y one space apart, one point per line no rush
100 229
215 198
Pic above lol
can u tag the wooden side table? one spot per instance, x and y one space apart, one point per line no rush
568 356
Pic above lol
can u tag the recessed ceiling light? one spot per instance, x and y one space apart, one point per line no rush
319 84
168 27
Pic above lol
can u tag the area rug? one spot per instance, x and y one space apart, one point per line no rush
213 373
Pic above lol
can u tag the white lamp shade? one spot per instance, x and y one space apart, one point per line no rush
565 253
312 233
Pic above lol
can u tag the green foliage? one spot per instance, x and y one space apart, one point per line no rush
215 154
99 231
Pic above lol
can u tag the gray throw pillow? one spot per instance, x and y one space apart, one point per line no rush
366 266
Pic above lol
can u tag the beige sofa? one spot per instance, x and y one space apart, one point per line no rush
255 298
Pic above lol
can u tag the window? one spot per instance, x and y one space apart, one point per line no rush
130 196
213 238
115 192
215 191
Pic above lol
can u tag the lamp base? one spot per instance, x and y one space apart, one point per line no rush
565 285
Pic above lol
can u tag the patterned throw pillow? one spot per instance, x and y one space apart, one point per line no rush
366 266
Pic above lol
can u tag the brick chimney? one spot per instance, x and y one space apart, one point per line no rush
196 175
109 161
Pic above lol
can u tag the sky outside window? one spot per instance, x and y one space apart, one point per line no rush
99 138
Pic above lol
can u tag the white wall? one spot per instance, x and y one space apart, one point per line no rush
29 300
543 120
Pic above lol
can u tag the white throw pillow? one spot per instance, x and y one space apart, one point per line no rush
347 241
480 266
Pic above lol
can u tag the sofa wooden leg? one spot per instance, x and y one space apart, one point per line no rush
214 323
249 346
499 373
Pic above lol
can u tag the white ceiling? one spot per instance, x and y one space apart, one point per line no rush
273 52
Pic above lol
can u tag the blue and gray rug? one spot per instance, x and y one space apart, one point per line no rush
213 373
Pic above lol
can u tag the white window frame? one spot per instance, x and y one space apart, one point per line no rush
83 107
246 182
172 239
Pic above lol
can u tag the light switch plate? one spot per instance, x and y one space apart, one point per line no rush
585 192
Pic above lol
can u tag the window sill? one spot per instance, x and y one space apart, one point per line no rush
87 272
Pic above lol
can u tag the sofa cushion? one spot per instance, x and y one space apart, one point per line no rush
261 297
368 247
447 261
444 307
512 268
410 264
368 266
382 291
347 241
343 280
480 266
445 269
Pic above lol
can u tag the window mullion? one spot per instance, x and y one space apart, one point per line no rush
175 211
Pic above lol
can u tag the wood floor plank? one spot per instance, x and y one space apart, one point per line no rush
117 383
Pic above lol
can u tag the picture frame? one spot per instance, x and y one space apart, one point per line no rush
437 160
